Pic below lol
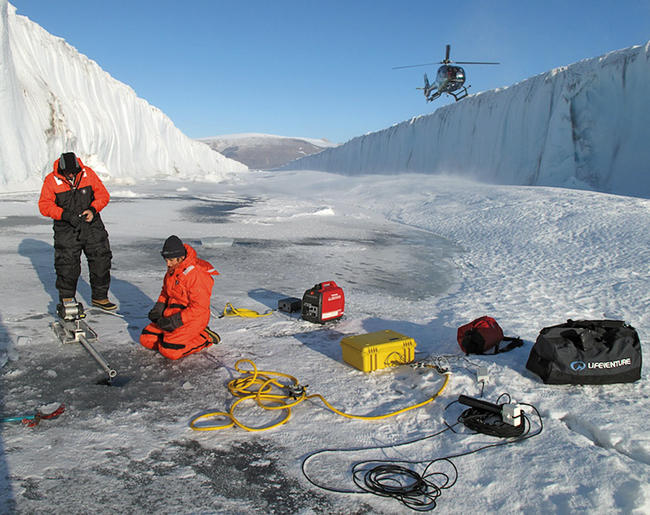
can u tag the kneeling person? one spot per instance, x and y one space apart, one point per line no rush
180 317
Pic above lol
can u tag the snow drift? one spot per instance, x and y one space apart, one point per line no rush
581 126
54 99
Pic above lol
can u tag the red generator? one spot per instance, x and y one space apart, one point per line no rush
324 302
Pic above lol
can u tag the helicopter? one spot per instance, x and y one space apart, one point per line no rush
450 79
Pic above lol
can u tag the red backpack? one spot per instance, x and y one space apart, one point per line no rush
483 334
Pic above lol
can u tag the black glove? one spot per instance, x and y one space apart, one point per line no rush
71 218
171 323
165 324
156 312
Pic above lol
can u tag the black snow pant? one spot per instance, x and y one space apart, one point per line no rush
69 242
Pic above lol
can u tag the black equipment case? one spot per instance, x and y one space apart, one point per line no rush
289 305
587 352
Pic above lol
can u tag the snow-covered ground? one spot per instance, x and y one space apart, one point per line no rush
417 254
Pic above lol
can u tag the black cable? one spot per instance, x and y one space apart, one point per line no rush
416 491
358 449
420 491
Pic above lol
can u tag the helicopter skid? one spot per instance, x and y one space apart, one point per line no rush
461 95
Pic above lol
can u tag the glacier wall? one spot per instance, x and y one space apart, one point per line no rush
581 126
54 99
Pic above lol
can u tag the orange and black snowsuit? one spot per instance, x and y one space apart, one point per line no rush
184 307
84 191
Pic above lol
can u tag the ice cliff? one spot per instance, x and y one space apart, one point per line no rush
582 126
54 99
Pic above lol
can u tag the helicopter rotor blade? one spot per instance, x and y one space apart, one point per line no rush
416 65
471 62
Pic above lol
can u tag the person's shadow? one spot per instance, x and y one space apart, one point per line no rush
134 304
42 257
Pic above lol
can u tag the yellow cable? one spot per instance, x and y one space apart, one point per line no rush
231 311
243 388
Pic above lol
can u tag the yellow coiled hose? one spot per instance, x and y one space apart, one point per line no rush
232 311
259 386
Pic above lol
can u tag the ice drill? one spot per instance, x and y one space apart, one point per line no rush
71 328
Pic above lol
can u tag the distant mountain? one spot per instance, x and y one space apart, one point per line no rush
265 151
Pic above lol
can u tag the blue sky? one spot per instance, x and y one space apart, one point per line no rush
324 69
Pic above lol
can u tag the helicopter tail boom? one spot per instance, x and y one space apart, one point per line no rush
427 87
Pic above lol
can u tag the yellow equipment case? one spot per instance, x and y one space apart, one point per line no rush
372 351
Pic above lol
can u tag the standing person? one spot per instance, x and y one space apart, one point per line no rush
179 319
73 195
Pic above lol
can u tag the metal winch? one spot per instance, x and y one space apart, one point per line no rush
72 328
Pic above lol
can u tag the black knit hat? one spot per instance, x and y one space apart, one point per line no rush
68 164
173 248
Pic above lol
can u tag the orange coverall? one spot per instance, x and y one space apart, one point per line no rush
186 291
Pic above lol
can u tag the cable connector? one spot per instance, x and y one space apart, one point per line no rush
297 390
511 414
442 370
482 375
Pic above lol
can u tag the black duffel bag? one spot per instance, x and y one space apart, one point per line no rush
587 352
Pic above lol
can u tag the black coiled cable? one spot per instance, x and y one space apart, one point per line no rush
416 491
420 491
